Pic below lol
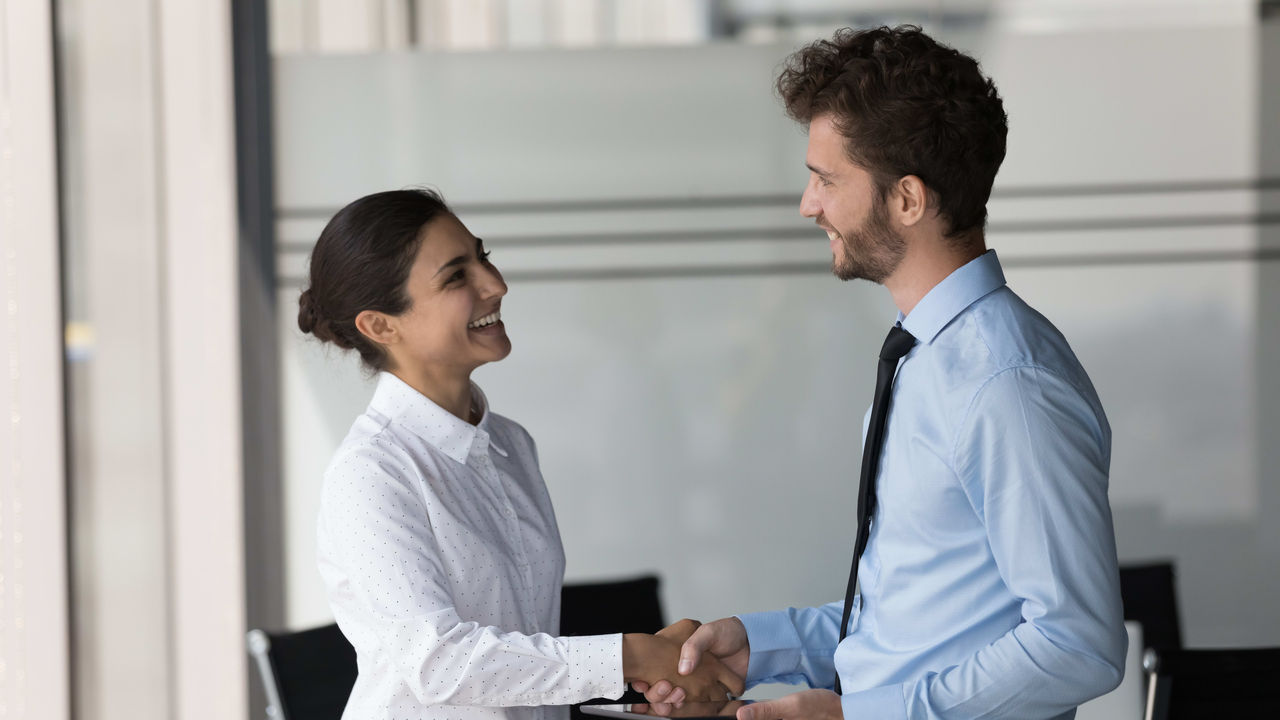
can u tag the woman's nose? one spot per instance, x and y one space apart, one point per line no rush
492 285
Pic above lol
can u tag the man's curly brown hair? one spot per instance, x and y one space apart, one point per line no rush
906 105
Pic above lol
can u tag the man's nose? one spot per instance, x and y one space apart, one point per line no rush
809 205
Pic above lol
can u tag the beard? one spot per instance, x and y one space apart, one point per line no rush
872 251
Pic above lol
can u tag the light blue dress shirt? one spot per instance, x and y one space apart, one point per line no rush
989 587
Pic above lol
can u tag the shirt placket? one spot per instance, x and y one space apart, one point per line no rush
510 516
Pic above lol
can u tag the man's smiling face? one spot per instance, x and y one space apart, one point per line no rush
843 200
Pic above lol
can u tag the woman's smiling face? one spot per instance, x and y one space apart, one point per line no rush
455 293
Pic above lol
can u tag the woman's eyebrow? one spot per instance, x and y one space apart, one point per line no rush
456 261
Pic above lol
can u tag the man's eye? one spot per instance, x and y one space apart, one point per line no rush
484 256
458 275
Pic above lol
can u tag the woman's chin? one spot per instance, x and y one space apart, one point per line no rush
496 348
505 351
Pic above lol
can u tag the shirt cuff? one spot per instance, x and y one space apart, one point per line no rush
881 703
595 663
775 645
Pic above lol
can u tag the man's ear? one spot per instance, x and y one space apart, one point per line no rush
378 327
909 200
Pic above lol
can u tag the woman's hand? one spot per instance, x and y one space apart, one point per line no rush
649 659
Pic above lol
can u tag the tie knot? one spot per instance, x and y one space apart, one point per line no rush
898 343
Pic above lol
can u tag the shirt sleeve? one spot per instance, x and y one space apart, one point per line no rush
371 500
1033 459
794 646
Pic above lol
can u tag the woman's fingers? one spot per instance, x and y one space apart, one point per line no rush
733 683
680 630
659 692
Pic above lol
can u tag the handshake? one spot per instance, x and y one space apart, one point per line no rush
667 667
689 661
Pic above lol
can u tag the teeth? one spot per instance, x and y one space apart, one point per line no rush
486 321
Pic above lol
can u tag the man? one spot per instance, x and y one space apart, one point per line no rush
988 586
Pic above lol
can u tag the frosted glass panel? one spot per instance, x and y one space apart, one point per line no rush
693 375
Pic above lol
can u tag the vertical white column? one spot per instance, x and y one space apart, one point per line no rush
343 26
34 676
288 26
116 426
576 23
473 24
201 349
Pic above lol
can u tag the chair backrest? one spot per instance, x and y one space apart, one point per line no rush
626 606
1150 597
307 675
1204 684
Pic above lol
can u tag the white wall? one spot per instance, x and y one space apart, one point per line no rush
34 653
697 400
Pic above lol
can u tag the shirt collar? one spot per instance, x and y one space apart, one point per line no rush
962 288
448 433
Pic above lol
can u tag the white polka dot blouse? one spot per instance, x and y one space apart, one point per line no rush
442 561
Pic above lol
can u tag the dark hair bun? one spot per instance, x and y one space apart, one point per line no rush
309 321
361 261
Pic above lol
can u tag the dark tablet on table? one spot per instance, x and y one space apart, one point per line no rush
688 711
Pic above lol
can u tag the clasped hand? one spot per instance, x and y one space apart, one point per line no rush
726 641
650 660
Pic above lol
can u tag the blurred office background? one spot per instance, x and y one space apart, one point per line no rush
693 375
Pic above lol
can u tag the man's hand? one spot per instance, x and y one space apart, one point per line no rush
806 705
652 660
724 639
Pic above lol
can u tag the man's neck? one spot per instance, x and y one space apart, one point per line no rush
928 261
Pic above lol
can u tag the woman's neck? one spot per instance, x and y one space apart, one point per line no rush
451 392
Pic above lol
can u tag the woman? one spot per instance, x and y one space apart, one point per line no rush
437 542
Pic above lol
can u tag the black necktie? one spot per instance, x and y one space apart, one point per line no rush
896 345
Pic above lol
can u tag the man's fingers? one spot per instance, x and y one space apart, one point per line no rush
758 711
768 710
804 705
640 686
692 650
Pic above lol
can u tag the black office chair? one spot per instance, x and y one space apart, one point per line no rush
1212 684
307 675
624 606
1149 595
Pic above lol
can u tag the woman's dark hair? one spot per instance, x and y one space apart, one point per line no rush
906 105
361 262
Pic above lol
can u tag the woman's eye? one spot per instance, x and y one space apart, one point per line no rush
459 275
484 256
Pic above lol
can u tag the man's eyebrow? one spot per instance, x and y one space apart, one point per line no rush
817 171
